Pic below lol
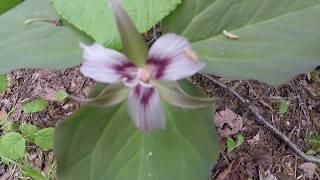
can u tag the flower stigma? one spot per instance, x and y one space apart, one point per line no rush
144 74
142 77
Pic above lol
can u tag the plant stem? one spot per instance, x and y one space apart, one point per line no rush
261 120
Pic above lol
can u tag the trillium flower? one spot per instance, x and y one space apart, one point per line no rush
140 76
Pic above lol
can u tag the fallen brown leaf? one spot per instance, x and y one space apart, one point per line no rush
266 175
309 169
228 122
3 115
254 140
263 157
224 174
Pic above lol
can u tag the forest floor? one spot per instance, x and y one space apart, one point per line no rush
261 156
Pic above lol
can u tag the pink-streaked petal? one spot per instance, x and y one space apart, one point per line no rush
104 65
145 109
172 58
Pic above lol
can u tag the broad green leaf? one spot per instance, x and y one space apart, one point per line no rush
44 138
277 39
12 146
283 108
29 131
95 17
37 45
9 126
34 106
61 95
5 5
3 83
103 143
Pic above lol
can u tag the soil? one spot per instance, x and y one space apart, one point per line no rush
267 156
261 156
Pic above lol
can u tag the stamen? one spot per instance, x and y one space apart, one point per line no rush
148 85
128 83
191 55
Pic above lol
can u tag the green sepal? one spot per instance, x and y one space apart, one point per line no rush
178 97
109 96
133 43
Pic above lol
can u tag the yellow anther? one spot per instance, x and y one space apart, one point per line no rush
191 55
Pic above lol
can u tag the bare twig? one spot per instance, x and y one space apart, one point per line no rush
261 120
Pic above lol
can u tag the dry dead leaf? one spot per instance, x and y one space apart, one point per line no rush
230 35
254 140
288 165
283 176
266 175
263 157
228 122
46 93
224 174
3 115
309 169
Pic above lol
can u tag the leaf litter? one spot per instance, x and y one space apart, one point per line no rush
296 123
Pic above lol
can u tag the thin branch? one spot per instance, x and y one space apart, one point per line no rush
261 120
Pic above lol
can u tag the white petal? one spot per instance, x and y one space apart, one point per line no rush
145 109
172 58
104 65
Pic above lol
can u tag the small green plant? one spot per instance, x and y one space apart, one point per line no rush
44 138
231 144
61 95
34 106
315 76
316 120
13 146
28 171
311 152
313 141
3 83
283 107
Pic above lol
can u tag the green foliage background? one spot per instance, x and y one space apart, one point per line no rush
5 5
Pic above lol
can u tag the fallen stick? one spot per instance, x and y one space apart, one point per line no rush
261 120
